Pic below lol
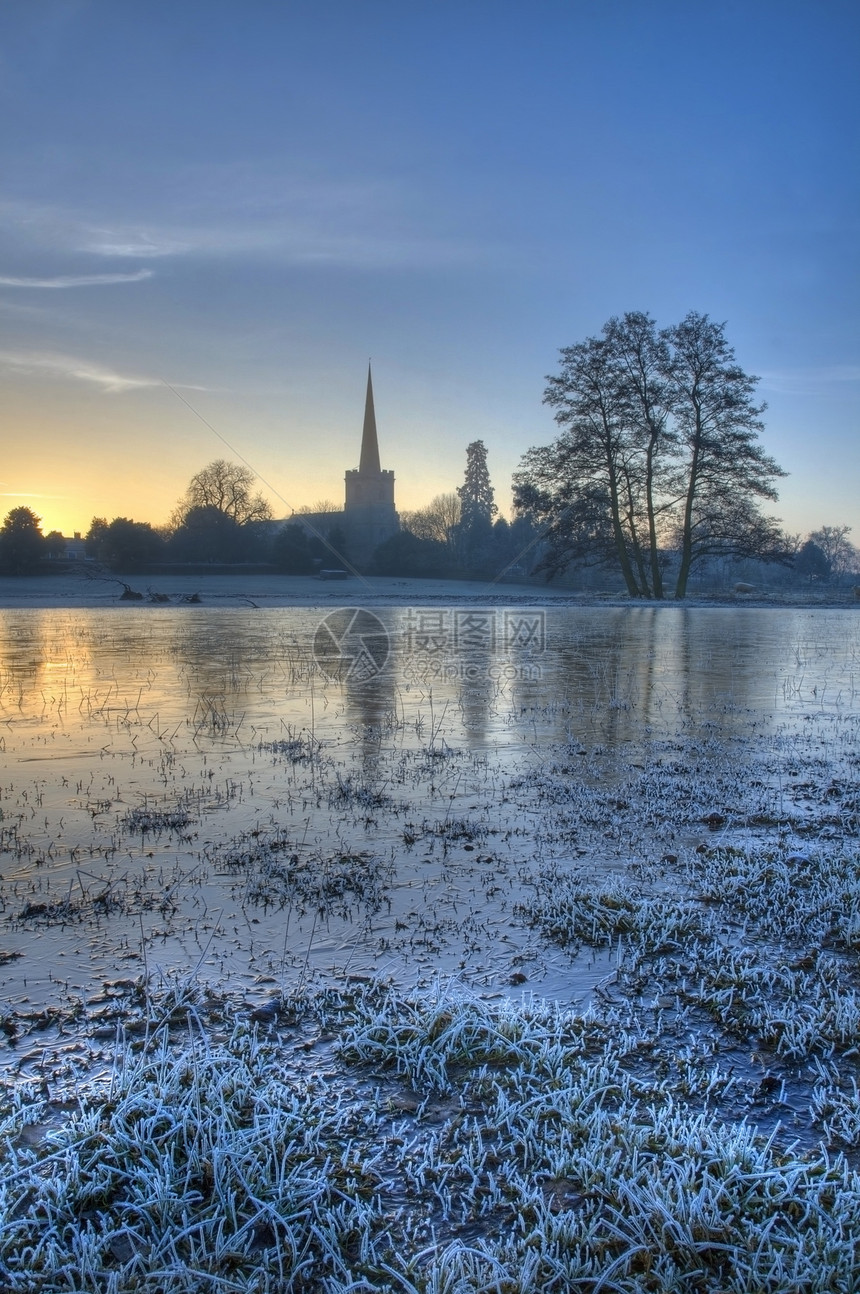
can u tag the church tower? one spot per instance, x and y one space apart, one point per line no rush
369 512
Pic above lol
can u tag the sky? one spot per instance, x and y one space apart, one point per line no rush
212 214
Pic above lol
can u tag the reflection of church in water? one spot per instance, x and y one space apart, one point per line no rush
369 516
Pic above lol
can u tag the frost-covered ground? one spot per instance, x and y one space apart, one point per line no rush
643 1077
84 587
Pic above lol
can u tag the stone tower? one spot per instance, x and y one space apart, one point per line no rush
369 513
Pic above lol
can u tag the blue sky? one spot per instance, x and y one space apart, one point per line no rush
246 201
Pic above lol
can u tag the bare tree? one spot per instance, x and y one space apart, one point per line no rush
726 469
227 487
842 557
435 521
641 359
321 505
659 448
586 488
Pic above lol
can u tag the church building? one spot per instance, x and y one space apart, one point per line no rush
369 516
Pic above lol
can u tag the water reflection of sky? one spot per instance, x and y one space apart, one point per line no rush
491 672
103 711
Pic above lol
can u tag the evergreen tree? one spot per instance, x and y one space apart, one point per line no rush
841 555
208 534
95 537
55 543
477 497
22 545
473 534
812 564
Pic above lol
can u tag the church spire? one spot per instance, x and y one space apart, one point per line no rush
369 462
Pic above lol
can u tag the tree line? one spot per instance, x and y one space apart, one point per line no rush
459 534
222 518
658 471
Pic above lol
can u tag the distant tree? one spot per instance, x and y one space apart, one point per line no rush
227 487
256 539
21 543
574 515
321 506
438 520
55 543
476 494
513 546
525 546
334 550
407 554
792 543
812 563
841 555
127 545
290 550
94 537
207 535
472 535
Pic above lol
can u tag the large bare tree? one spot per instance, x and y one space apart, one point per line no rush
659 450
587 487
228 487
726 470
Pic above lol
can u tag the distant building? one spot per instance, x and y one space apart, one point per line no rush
369 516
67 550
76 548
369 512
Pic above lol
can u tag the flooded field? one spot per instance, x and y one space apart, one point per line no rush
439 864
210 791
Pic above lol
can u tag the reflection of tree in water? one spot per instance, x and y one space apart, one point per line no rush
718 664
605 674
372 709
609 672
478 692
595 676
239 657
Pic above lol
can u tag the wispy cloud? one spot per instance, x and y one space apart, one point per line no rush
68 366
287 237
75 280
809 379
30 494
255 209
58 365
133 244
